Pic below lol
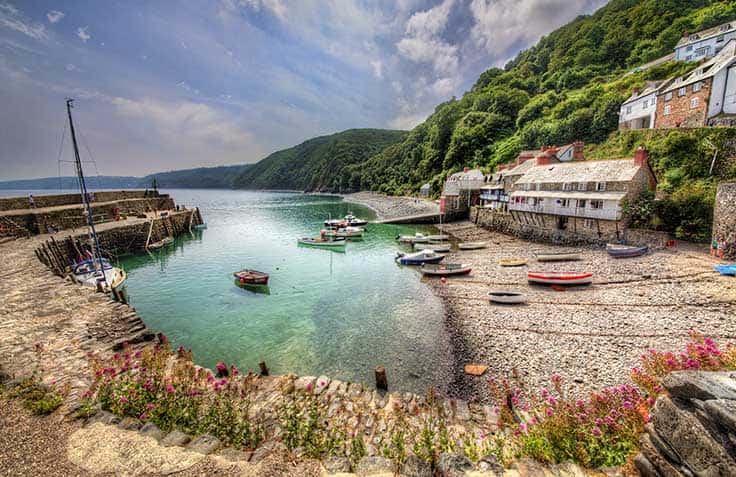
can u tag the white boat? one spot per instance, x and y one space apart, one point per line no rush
353 220
320 242
434 247
506 297
446 269
161 243
438 238
558 256
416 238
418 258
472 245
560 278
347 232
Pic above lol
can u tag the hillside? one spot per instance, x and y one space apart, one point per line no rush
220 177
319 164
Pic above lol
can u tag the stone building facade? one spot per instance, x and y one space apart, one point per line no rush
684 106
724 217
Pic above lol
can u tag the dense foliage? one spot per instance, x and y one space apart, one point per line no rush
320 163
568 87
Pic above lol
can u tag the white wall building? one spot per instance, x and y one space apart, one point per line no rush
639 111
704 44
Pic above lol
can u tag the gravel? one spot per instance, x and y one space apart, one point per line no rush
391 207
591 336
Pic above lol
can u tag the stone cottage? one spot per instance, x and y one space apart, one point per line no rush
461 190
704 97
584 198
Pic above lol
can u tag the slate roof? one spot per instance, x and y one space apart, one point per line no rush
651 87
620 170
725 58
707 33
564 194
521 168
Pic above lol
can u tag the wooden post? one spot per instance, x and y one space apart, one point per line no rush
381 381
264 368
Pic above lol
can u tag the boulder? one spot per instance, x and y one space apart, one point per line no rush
234 455
489 463
268 448
701 385
334 464
130 424
104 417
415 467
150 429
374 466
322 383
175 438
453 464
305 384
204 444
723 412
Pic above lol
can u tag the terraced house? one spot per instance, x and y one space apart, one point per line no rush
704 44
581 197
703 97
639 110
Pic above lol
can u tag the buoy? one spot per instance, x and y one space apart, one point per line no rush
242 280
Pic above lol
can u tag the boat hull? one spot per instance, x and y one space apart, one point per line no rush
729 270
506 297
251 277
409 260
558 257
445 270
472 245
626 252
512 262
562 279
433 247
336 243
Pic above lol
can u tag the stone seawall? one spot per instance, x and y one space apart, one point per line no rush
504 223
15 203
132 238
724 217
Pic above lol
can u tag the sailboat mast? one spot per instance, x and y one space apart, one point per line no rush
83 190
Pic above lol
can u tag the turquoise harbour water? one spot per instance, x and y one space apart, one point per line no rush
338 314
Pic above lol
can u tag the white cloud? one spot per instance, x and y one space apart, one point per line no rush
276 7
11 18
423 42
444 86
407 122
72 67
377 68
83 34
54 16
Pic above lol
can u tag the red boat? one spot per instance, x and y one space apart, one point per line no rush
251 277
561 278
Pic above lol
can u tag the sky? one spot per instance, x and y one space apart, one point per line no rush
163 85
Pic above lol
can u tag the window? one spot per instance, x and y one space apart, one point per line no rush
589 224
689 48
596 204
720 39
565 203
600 186
667 109
645 105
668 96
701 51
628 109
566 186
689 58
697 86
581 203
694 103
682 91
583 186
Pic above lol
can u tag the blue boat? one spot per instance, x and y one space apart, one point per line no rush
418 258
729 269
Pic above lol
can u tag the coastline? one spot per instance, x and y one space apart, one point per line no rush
391 207
591 336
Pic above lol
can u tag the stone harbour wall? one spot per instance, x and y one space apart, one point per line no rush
132 238
693 429
724 217
15 203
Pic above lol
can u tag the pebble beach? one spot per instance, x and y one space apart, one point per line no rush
592 336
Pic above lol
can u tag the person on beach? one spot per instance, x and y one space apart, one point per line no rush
31 201
714 247
721 246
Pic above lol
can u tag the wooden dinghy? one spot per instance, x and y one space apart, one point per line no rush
416 238
472 245
625 251
434 247
251 277
161 243
729 270
418 258
446 270
337 242
506 297
438 238
512 262
560 278
557 256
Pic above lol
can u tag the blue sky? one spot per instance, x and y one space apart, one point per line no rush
164 85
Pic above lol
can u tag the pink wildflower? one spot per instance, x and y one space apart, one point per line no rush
628 405
549 412
552 401
150 407
123 400
221 366
309 387
596 431
170 389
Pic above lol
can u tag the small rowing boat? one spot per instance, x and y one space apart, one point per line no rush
347 232
251 277
557 256
418 258
625 251
416 238
446 270
729 269
560 278
353 220
438 238
506 297
512 262
434 247
337 242
472 245
161 243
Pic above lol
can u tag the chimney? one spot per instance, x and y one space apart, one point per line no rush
466 169
544 159
641 156
577 151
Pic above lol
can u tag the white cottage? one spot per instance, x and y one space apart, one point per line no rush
640 109
704 44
